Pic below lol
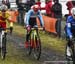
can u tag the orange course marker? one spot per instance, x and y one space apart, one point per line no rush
49 23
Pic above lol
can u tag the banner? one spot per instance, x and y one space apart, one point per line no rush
13 15
49 24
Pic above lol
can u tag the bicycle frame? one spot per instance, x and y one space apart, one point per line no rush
33 34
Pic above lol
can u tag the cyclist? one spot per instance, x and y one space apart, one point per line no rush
70 30
30 20
4 16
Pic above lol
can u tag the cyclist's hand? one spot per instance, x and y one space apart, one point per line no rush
28 28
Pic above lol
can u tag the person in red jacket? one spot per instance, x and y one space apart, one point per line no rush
48 8
69 6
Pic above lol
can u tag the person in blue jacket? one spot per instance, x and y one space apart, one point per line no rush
30 19
70 30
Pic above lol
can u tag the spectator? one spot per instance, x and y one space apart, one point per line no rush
38 3
21 11
57 10
48 8
29 4
69 6
73 2
8 3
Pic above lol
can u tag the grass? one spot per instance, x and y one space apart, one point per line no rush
53 42
20 30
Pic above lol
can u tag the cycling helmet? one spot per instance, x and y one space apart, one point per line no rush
73 11
4 8
35 8
32 7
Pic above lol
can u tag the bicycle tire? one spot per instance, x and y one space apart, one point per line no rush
37 49
29 48
3 49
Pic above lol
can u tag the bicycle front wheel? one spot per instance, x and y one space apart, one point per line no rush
37 48
3 48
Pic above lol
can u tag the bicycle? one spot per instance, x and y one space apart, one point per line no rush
34 43
3 39
72 51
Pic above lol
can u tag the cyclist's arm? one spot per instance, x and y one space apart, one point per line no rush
28 17
69 33
41 19
8 16
25 21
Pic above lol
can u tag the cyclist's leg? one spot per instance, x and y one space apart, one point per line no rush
68 48
27 38
68 51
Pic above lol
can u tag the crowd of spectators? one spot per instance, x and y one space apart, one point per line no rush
53 9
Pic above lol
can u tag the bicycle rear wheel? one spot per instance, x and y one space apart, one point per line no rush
3 48
37 47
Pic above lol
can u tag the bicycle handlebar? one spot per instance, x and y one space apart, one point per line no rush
37 28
